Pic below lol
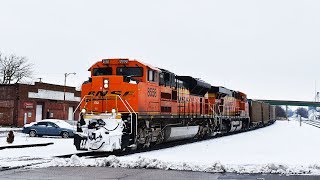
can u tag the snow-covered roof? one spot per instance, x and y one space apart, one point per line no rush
59 122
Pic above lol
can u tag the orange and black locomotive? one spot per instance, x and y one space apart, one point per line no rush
130 104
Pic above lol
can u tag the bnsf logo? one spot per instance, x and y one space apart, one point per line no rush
152 92
104 93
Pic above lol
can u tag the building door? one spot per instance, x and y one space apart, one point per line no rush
70 114
39 112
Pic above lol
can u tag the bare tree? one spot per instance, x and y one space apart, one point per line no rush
303 112
13 69
280 112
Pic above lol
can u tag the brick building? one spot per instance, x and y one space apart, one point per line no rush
22 102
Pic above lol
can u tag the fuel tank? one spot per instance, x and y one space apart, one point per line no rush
178 133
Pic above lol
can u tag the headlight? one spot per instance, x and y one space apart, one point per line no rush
106 83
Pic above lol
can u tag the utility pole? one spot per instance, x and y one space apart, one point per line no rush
316 93
40 80
64 93
287 113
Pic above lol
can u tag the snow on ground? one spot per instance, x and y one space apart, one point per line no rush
283 147
26 156
283 142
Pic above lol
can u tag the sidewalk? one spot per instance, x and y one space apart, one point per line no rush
25 145
21 140
7 129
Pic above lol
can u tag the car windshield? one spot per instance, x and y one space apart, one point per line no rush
63 124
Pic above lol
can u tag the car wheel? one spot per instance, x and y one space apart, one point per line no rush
32 133
65 134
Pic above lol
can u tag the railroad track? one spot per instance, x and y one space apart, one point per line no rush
313 123
93 154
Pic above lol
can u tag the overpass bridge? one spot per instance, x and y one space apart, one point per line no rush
290 103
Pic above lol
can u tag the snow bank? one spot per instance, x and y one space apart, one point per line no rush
215 167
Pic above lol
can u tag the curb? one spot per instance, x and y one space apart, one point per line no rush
25 146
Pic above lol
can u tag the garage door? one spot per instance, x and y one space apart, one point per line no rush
39 112
70 113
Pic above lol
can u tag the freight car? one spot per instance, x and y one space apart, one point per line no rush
127 104
261 113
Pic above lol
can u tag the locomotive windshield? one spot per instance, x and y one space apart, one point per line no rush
102 71
130 71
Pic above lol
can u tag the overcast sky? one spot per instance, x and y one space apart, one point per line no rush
268 49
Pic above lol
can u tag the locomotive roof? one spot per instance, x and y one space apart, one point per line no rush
195 85
150 66
164 70
194 81
221 90
114 61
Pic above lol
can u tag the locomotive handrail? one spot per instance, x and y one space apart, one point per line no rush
126 108
212 109
80 104
135 117
126 105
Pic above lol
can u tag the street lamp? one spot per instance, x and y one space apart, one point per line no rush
64 92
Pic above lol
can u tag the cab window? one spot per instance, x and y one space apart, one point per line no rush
130 71
150 75
102 71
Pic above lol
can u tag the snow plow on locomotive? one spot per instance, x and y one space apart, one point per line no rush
127 104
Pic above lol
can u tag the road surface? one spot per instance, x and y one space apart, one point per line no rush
71 173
